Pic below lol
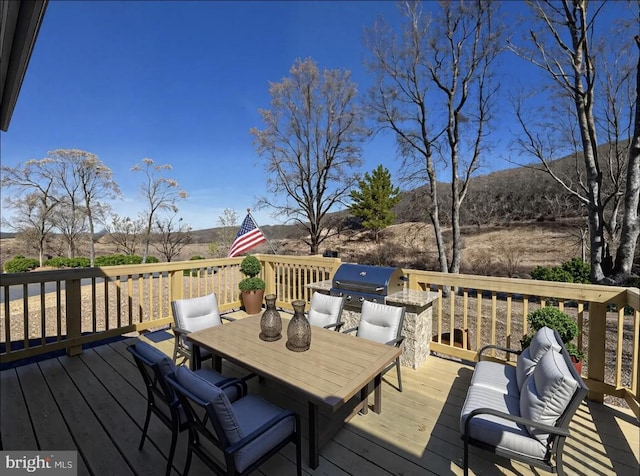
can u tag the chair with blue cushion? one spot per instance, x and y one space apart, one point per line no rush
326 311
248 431
190 315
162 401
382 323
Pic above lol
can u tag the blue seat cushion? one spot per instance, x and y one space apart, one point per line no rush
252 412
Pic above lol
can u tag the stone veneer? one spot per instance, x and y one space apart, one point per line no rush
417 327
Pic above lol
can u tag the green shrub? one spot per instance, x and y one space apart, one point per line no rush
251 267
572 271
20 264
553 318
252 284
192 272
115 260
59 262
579 270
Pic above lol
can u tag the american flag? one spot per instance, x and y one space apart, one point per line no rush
248 237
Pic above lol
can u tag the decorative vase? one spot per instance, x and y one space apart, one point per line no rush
299 329
270 322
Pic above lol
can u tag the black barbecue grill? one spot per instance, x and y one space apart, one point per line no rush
359 282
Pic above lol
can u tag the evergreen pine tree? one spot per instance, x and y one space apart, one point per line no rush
374 201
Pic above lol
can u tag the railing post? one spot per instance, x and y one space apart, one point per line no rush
73 305
176 287
269 277
596 356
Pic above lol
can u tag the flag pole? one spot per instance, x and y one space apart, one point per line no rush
256 224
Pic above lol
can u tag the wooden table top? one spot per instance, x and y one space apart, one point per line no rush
333 370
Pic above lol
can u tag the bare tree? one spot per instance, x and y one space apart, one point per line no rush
563 44
34 201
71 223
126 233
228 223
434 91
311 144
172 237
86 182
160 193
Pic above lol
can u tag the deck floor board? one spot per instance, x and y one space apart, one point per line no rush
95 403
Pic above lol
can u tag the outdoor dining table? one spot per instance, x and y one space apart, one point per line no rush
336 368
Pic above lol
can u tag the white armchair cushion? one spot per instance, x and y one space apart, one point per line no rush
380 322
194 314
325 309
547 392
496 376
495 430
543 340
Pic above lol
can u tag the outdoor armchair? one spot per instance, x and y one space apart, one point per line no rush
523 412
326 311
155 367
382 323
248 431
190 315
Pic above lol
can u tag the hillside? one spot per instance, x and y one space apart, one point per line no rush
511 250
513 220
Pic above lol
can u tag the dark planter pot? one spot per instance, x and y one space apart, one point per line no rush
252 301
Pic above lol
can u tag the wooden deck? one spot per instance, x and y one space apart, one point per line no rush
95 403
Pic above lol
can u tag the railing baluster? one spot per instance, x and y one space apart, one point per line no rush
508 327
107 322
43 316
479 320
94 306
7 319
452 315
494 320
130 298
58 311
25 313
580 324
619 359
465 316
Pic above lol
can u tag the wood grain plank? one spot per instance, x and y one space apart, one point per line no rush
52 432
94 378
90 437
15 424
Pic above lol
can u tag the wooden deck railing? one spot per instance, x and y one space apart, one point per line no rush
65 309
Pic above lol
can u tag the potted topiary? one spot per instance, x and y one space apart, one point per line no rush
251 287
554 318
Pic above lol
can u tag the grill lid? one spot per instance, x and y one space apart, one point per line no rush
379 280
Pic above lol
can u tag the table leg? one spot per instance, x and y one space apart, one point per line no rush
217 363
377 398
314 451
364 398
195 361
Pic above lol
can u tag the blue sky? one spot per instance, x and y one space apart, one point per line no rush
181 83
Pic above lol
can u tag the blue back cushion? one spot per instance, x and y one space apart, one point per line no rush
156 356
208 392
